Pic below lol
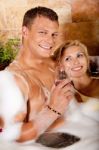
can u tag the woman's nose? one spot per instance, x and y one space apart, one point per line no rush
75 61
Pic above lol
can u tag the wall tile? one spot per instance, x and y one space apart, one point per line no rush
85 10
86 32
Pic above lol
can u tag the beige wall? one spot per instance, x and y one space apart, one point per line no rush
11 14
79 19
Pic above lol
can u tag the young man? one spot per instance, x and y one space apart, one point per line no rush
30 101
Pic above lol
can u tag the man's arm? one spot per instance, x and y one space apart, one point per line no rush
11 103
13 107
48 114
32 129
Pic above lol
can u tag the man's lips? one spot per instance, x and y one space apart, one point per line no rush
46 47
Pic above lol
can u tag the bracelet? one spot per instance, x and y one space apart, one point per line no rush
54 110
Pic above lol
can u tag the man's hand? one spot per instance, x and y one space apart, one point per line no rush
61 95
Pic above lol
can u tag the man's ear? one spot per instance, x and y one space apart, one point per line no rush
24 31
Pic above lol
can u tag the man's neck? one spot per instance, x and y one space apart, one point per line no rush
31 61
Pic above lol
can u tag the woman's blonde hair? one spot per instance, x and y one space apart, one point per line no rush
61 49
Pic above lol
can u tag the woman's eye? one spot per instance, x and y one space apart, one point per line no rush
67 59
80 55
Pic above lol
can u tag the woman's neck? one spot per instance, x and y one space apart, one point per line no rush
82 83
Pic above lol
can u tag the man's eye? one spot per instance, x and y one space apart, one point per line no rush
54 35
42 32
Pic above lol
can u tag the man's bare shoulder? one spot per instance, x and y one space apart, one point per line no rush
32 88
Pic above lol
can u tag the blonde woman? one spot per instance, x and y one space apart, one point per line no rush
82 115
73 57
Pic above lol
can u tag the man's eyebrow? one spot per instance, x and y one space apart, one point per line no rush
42 29
57 33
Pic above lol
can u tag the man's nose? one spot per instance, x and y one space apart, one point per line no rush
50 39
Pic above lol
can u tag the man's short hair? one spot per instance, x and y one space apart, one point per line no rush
31 14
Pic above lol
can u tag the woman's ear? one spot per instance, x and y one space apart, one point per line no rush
61 67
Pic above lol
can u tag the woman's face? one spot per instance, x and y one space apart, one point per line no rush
75 61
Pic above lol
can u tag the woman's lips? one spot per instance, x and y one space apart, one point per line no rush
77 68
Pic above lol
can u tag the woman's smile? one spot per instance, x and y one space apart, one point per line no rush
77 68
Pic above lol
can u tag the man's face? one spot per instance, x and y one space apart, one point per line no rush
40 39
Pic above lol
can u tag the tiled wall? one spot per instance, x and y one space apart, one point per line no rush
79 19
